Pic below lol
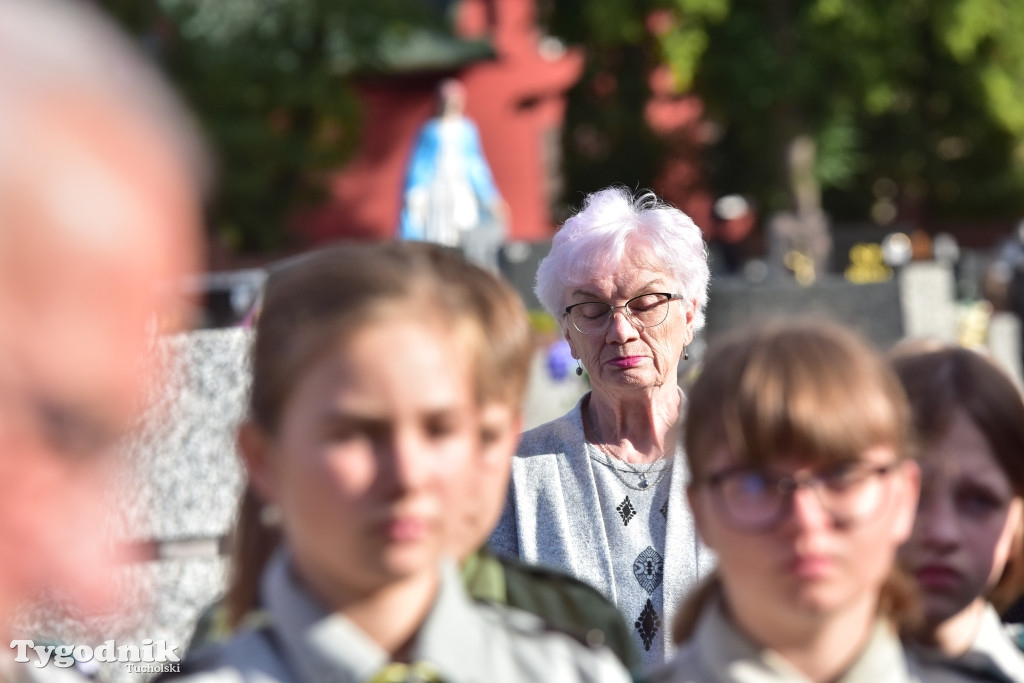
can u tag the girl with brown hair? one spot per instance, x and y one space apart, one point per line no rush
967 548
796 438
364 409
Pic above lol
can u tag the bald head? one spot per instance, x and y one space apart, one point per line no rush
99 207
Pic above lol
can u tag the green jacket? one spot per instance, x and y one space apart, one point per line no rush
565 603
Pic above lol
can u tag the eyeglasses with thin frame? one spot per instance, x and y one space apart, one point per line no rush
756 500
643 311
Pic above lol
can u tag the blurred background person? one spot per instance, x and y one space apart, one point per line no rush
967 549
99 215
627 279
364 413
796 436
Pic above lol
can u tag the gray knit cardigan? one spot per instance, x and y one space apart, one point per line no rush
552 517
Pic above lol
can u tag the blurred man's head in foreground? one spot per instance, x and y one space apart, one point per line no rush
99 210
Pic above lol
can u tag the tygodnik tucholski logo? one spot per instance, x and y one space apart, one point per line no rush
151 657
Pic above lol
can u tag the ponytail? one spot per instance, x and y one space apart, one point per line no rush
252 545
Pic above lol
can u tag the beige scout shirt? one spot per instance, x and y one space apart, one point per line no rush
993 654
461 641
993 645
719 653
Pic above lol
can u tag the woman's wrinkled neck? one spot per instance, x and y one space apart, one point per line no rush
644 426
955 636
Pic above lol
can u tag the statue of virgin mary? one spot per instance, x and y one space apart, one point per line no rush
449 196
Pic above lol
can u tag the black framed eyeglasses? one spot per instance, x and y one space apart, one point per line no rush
646 310
757 500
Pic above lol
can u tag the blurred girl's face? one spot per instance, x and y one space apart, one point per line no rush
966 521
830 543
475 512
367 444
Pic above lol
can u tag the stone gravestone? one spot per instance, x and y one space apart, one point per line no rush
927 299
873 309
518 263
1004 336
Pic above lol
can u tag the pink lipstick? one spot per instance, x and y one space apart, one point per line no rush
626 361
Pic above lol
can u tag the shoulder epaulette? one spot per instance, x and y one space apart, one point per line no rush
529 624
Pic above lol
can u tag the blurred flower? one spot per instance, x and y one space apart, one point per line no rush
559 360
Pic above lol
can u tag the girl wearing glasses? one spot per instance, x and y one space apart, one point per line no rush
795 436
627 280
967 548
364 413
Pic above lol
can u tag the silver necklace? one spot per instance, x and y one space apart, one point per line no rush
644 485
642 473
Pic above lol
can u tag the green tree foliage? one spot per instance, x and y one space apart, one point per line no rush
605 137
916 101
271 83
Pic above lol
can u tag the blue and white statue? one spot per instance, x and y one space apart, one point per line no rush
450 197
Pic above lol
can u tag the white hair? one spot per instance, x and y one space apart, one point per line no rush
592 244
57 49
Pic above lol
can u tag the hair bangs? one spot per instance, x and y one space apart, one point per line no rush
795 403
942 380
322 299
803 391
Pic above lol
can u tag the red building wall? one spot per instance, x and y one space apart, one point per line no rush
516 101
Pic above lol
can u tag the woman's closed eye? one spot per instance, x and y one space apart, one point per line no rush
592 311
646 302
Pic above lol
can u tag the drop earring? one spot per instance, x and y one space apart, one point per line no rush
579 368
271 515
686 355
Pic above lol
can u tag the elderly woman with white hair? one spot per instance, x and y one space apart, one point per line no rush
598 491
